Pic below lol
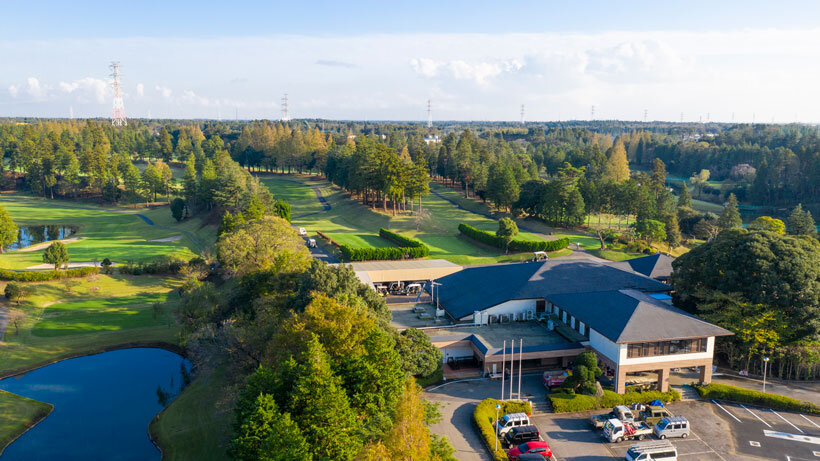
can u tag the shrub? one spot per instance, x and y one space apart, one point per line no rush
405 242
563 402
384 254
742 395
161 266
45 276
517 245
178 209
484 418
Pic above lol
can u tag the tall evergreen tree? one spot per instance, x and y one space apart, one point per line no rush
800 222
730 218
617 166
685 199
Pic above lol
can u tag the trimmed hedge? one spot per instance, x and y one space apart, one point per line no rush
161 266
563 402
743 395
380 254
45 276
405 242
489 238
484 418
409 248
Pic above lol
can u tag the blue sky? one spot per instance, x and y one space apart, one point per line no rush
379 60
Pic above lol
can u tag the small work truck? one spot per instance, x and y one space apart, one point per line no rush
621 413
616 431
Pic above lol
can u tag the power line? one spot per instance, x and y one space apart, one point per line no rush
285 109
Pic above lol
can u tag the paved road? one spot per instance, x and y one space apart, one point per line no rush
809 391
458 400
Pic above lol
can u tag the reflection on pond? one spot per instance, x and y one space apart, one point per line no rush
102 405
32 235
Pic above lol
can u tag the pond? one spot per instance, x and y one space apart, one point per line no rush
103 404
32 235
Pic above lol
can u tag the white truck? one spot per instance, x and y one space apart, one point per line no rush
616 431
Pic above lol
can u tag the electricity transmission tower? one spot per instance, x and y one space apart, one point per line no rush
645 113
285 109
522 114
429 114
118 112
592 113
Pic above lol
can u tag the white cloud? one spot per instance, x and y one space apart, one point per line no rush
87 89
425 67
14 91
140 90
164 91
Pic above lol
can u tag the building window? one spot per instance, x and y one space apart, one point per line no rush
678 346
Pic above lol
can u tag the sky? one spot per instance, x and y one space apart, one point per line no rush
369 60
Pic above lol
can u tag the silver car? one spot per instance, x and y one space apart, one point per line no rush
672 426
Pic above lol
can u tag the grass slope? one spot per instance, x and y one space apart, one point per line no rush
197 424
18 415
104 233
350 220
109 314
359 240
89 326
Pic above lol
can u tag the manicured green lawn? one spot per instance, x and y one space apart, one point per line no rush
17 414
104 233
197 424
615 255
348 221
359 240
85 330
107 314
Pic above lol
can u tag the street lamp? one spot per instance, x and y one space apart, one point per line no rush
765 364
497 407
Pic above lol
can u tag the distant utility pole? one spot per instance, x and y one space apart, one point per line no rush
645 113
733 117
708 117
592 113
681 117
285 109
118 112
429 114
71 112
522 114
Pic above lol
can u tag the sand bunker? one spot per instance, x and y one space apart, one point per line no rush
168 239
44 245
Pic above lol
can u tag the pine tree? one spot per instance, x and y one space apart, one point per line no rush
266 434
166 146
685 199
672 228
730 218
189 180
56 254
800 222
325 416
617 166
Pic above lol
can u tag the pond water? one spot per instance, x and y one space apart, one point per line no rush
103 404
32 235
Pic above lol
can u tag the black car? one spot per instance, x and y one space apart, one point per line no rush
521 434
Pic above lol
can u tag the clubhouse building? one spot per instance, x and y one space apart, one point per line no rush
560 308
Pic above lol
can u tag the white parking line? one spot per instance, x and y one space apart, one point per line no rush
794 437
698 453
784 419
707 446
807 419
758 417
727 411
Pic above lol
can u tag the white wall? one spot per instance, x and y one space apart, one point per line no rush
519 307
606 347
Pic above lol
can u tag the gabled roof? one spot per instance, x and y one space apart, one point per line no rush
656 266
627 316
478 288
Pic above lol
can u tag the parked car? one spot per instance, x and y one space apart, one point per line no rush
616 431
511 420
652 414
302 231
652 451
673 426
552 380
521 434
621 412
312 243
530 448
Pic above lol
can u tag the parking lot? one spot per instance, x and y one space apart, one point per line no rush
720 432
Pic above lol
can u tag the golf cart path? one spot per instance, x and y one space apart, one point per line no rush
146 219
4 321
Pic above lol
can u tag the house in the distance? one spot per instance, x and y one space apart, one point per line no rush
605 307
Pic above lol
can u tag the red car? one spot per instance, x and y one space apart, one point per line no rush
534 447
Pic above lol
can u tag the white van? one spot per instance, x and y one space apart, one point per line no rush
510 421
652 451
